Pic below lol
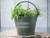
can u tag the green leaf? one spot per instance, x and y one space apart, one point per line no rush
19 6
18 11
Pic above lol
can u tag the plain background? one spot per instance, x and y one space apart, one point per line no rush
48 15
7 23
0 14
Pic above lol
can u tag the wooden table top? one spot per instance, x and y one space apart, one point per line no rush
12 33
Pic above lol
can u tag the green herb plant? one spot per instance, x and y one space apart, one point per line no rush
18 11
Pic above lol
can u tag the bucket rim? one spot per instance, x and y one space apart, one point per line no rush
27 16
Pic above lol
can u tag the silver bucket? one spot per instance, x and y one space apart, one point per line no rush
26 25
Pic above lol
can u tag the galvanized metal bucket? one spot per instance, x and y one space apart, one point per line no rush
26 25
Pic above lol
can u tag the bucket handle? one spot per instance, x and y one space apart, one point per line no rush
30 3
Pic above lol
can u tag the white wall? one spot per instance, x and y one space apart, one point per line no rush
48 28
6 21
0 13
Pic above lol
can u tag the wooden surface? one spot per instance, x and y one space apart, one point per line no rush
12 33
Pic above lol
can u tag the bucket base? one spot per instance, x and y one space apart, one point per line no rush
26 34
31 36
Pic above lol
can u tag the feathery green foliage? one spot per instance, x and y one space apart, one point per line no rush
18 11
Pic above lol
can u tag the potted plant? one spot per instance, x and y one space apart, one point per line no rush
25 19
